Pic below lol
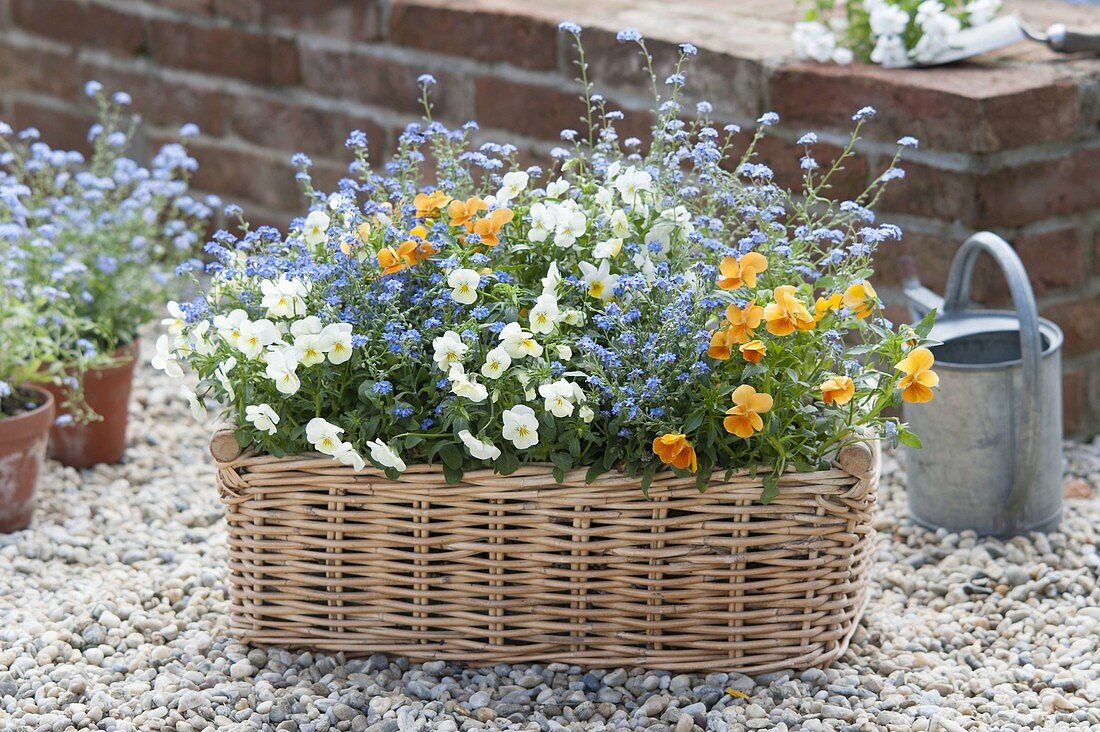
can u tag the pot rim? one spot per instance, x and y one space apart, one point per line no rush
34 414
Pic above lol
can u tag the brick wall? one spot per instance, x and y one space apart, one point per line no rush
1010 143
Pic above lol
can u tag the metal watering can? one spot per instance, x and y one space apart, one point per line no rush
992 455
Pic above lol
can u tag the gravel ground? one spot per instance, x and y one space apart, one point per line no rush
114 616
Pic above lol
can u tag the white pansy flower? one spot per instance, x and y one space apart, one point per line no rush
336 342
556 188
571 226
586 414
176 319
496 363
324 436
479 449
335 201
198 409
466 386
309 349
316 227
608 248
813 40
309 325
229 326
565 353
601 283
634 185
262 417
543 221
551 281
165 358
513 184
281 368
222 375
889 51
573 317
544 315
981 12
603 198
448 349
463 284
255 336
518 342
521 427
620 224
671 220
385 456
887 19
284 298
347 455
558 398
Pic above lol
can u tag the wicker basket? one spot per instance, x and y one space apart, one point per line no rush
521 569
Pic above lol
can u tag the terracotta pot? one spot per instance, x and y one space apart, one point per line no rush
107 392
23 441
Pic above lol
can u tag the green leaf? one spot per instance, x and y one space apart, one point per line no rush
908 439
366 392
562 461
452 456
452 475
507 463
559 475
594 472
244 436
647 478
693 422
771 489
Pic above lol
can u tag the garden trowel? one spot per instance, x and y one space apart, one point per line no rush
1005 31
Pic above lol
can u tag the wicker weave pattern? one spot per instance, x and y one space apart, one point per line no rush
520 569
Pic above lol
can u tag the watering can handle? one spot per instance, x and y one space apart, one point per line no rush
957 300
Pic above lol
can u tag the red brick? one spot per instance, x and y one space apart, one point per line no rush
1020 195
159 100
281 125
254 57
1054 260
1079 321
359 20
234 172
383 82
968 108
63 128
199 7
81 23
25 68
785 159
535 111
931 253
515 38
934 193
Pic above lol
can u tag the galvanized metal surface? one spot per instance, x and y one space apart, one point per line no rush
992 458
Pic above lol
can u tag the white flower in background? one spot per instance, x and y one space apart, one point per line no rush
309 325
324 436
608 248
556 188
571 225
176 320
199 342
620 224
586 414
634 185
463 284
262 417
309 349
256 335
449 349
601 283
521 427
525 381
222 375
182 346
887 19
889 51
938 27
558 398
385 456
551 281
315 229
813 40
165 358
604 199
671 220
496 363
564 352
543 221
573 318
347 455
336 342
843 56
198 409
284 298
981 12
512 185
544 315
229 326
281 368
479 449
645 264
518 342
466 386
335 202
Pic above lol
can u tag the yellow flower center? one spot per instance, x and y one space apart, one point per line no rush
523 431
596 289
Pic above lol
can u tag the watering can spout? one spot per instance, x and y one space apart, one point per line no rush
921 299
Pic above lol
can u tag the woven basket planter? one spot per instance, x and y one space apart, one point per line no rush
518 568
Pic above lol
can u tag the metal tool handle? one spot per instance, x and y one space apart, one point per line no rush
957 299
1063 40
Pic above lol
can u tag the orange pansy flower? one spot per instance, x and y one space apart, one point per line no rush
916 385
719 345
462 212
839 390
787 313
428 203
675 450
824 305
861 299
743 418
488 228
734 273
754 351
742 322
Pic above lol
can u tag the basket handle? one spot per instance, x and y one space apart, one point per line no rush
957 300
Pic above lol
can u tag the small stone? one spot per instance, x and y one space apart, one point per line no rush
241 669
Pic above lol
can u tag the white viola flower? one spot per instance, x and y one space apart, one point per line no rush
197 336
229 326
324 436
558 398
573 318
222 375
385 456
543 221
565 353
336 342
176 320
525 381
601 283
890 51
284 298
613 170
182 346
513 184
887 19
309 349
463 284
347 455
571 226
335 202
980 12
309 325
448 350
198 409
634 185
645 265
551 281
557 188
670 221
315 229
281 368
813 40
479 449
466 386
521 427
518 342
544 315
165 358
604 198
608 248
255 336
586 414
496 363
262 417
620 224
843 56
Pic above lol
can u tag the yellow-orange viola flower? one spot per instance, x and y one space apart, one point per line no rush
916 385
743 418
838 390
753 351
428 203
787 313
824 305
719 345
462 212
734 272
675 450
488 228
743 321
861 299
390 260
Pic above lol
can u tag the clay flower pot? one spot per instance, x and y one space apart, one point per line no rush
23 441
107 392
